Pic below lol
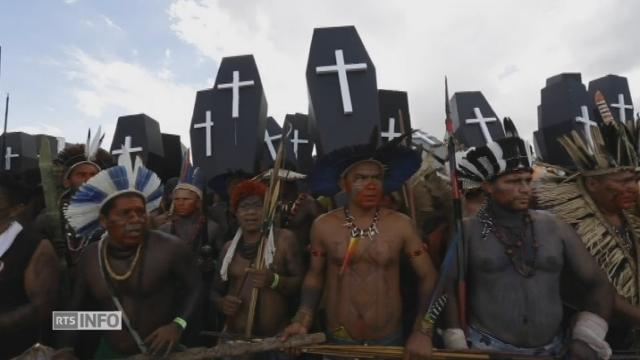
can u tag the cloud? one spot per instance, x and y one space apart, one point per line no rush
107 88
41 128
110 23
502 48
69 2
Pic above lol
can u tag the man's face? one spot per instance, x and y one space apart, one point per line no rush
79 175
511 191
127 220
249 214
614 192
363 184
185 202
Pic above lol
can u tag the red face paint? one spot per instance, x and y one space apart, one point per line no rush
625 199
370 196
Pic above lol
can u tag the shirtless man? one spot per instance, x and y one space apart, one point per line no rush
278 283
78 165
356 253
600 204
515 257
187 222
28 273
150 273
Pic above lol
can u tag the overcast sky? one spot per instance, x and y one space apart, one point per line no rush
74 64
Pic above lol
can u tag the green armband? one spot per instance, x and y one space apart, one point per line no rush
276 281
180 321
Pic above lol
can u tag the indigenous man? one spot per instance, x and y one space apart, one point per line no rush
600 203
356 252
515 257
238 277
187 222
28 273
150 276
79 163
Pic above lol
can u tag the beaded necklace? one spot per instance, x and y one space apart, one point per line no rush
356 232
523 262
127 274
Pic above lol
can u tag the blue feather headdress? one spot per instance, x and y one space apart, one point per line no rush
399 164
83 212
190 177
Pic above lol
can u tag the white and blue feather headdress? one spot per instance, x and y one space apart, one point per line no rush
83 212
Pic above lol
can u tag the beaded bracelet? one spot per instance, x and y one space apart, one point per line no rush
180 321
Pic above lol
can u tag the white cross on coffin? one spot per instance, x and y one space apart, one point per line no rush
587 123
296 140
622 108
127 147
482 121
7 158
206 125
235 86
391 133
269 141
342 69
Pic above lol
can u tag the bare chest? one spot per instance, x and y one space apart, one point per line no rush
379 250
494 253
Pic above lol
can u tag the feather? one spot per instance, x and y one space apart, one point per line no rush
351 249
87 144
83 211
605 113
94 145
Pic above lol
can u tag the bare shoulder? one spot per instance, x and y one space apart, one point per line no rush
329 217
547 218
165 227
396 216
89 255
284 235
161 239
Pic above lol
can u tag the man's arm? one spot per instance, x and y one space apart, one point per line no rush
80 295
219 287
313 282
419 342
289 284
589 331
598 292
421 263
41 285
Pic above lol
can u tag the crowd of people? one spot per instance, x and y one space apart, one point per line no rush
550 262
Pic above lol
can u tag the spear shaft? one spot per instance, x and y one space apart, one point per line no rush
458 226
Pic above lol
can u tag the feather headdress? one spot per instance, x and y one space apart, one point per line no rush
83 212
190 177
485 163
88 153
399 163
614 148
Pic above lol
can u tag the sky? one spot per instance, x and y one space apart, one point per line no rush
71 65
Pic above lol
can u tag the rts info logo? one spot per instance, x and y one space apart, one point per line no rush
87 320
